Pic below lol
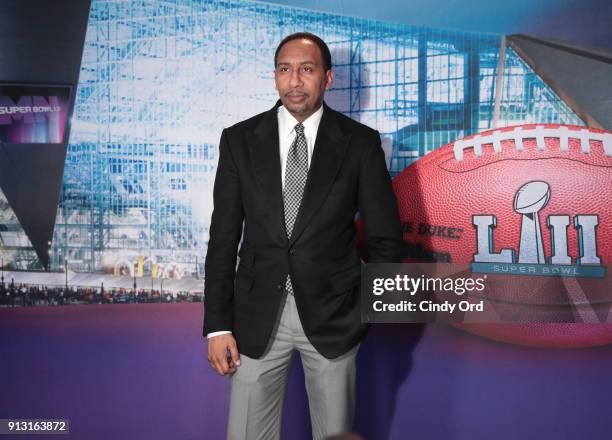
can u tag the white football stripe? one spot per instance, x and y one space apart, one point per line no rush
539 133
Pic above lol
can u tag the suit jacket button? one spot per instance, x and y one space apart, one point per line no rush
280 286
291 251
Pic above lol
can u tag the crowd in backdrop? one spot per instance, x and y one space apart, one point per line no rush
23 295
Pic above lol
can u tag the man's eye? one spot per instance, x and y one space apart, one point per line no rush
308 69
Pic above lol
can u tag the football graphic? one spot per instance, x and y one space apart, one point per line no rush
531 204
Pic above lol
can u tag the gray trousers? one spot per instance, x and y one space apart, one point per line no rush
258 386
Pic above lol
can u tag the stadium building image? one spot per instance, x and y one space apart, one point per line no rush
159 80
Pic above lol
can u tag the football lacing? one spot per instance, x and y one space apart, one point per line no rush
539 133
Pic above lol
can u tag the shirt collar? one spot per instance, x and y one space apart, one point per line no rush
286 122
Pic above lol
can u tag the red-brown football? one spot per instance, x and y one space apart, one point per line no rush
528 202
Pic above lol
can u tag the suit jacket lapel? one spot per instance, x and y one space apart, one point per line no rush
329 150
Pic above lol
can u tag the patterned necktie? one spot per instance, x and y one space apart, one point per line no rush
296 172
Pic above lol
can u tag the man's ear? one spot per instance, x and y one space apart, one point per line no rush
275 82
329 79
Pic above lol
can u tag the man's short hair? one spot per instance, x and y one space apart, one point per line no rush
325 53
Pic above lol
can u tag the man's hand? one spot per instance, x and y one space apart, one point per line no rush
219 358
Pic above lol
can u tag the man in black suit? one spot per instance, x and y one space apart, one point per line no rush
296 175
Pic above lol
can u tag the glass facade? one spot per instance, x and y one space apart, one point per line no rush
160 80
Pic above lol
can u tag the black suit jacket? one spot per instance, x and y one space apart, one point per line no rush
347 174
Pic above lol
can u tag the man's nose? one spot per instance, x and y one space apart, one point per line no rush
296 79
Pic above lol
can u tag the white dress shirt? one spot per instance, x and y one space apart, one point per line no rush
286 136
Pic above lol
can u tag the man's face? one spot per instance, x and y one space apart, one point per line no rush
301 78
